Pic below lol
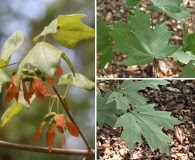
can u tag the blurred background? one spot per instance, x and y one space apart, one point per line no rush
31 17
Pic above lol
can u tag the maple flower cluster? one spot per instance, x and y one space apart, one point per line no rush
36 87
61 124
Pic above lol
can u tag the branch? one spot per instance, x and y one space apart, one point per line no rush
45 149
66 107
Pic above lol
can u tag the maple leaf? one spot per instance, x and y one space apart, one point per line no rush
73 130
38 132
145 120
140 42
104 45
106 112
128 93
50 136
172 8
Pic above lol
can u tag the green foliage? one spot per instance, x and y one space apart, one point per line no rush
43 56
104 44
189 42
11 45
77 80
145 120
68 30
125 107
106 112
189 70
132 2
172 8
140 40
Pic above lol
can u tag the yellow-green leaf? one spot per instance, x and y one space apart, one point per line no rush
77 80
70 30
11 45
13 110
50 29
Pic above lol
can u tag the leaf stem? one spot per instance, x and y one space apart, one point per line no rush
10 64
45 149
66 108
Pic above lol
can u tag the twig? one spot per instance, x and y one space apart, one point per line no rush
45 149
66 108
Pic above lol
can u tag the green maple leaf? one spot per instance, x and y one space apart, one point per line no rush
132 2
189 70
106 113
172 8
140 42
145 120
128 93
104 45
189 42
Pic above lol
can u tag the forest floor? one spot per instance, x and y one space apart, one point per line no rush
178 97
113 10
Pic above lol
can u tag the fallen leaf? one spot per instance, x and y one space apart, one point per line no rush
179 135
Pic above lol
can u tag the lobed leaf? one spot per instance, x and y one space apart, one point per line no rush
142 43
70 30
106 112
172 8
189 42
12 111
183 57
50 29
78 80
188 71
128 93
104 45
145 120
43 56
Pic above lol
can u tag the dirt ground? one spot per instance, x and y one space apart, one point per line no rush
113 10
178 97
